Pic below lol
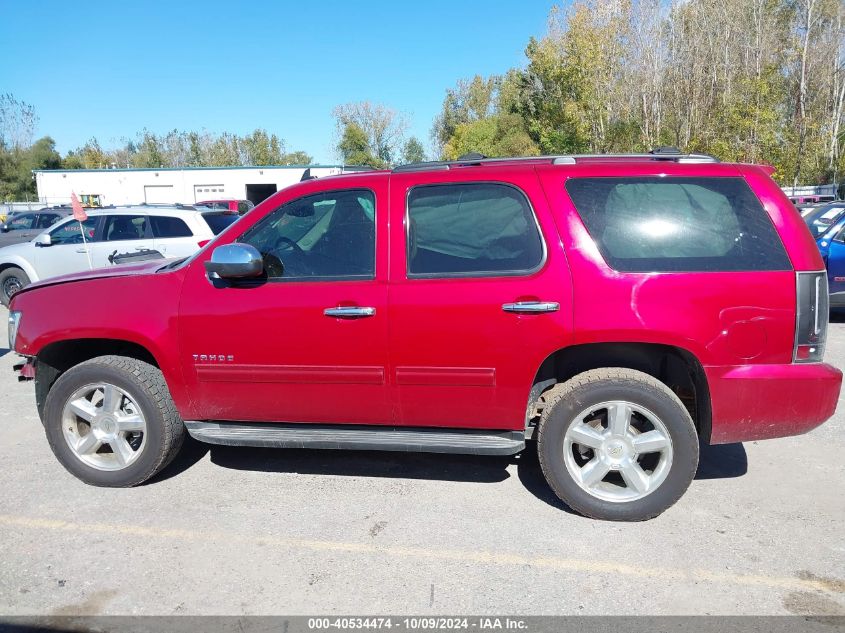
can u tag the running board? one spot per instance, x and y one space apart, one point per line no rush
356 437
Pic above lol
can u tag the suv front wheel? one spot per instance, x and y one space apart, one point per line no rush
111 421
616 444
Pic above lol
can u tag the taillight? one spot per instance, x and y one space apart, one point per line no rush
811 316
203 243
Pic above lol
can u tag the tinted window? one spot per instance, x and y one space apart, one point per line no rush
166 226
469 229
219 221
69 233
327 235
125 227
47 219
21 222
678 224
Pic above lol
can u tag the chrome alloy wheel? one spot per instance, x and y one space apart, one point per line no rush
104 427
617 451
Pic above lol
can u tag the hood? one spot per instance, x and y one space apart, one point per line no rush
21 248
123 270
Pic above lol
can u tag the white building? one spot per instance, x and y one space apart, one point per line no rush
101 187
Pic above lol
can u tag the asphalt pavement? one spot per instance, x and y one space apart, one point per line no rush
243 531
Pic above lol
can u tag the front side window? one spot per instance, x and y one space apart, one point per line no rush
326 235
22 222
125 227
70 233
664 224
471 229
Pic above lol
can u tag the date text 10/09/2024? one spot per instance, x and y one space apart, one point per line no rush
418 624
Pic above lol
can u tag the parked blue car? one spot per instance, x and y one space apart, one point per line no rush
822 217
832 246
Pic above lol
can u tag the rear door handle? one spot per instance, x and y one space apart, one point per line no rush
349 312
531 307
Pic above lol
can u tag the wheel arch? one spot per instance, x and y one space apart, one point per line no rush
23 265
57 357
676 367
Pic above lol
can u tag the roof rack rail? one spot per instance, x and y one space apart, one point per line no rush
665 153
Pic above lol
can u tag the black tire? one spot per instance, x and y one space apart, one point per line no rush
146 386
11 280
564 402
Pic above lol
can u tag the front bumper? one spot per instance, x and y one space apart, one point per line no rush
25 368
758 402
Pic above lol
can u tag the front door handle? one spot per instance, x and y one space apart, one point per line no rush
531 307
349 312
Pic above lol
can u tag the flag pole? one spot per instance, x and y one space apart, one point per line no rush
85 243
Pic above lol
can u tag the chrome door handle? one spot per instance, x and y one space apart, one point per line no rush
349 312
531 307
81 250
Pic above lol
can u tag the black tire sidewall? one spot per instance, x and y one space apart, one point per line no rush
670 411
6 274
85 374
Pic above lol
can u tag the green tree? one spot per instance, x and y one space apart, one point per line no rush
413 151
354 147
498 135
297 158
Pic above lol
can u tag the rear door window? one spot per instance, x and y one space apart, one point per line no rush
471 229
125 227
662 224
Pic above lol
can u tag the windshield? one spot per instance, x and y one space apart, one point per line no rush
825 215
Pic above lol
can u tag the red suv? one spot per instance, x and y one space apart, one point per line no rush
618 310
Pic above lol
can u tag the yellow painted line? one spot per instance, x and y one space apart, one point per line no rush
807 582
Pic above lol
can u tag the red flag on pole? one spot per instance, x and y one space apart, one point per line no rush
78 212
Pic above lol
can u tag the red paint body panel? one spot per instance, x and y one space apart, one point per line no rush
108 306
442 352
758 402
459 323
290 374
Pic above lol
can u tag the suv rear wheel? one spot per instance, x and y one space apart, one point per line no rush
616 444
111 421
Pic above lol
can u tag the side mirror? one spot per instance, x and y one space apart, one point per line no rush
235 261
43 240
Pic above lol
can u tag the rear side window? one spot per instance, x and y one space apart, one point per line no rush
165 226
664 224
219 221
471 229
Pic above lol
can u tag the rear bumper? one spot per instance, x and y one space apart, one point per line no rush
757 402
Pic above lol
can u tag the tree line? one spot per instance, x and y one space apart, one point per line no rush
19 154
751 80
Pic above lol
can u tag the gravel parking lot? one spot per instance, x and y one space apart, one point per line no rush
249 531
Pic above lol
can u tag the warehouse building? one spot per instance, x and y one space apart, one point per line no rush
102 187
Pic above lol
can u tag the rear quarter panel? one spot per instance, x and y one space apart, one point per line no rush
723 318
